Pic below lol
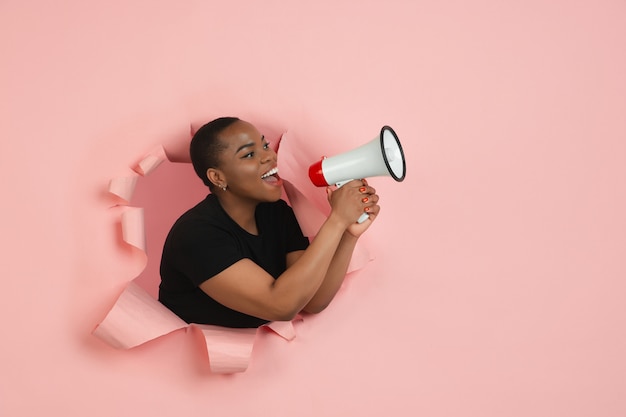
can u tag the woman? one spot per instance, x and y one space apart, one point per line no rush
238 258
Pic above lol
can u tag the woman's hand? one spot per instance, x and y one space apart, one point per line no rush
352 200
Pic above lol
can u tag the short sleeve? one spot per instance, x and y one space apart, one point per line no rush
204 252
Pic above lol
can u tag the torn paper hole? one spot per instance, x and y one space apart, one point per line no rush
137 317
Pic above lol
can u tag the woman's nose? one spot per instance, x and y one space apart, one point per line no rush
269 155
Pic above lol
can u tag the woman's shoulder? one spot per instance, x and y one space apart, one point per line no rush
206 213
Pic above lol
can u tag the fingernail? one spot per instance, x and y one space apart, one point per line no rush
362 189
365 199
366 209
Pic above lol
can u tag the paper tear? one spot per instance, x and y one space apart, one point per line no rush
123 187
133 230
136 317
309 202
151 161
284 329
229 349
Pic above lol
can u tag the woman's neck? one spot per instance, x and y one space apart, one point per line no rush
242 212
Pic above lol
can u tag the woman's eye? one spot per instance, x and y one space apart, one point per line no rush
266 145
249 155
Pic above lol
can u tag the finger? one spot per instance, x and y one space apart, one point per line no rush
369 199
366 189
374 209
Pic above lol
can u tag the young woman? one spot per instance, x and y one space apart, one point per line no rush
238 258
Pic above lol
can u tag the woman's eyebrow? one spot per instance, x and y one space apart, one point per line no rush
248 145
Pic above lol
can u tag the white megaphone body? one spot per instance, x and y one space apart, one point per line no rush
382 156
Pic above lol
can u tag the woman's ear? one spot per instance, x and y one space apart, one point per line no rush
216 177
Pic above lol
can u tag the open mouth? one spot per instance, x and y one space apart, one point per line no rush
271 175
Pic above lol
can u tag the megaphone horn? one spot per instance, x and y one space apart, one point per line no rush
382 156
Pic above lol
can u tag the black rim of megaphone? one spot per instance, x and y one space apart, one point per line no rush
382 148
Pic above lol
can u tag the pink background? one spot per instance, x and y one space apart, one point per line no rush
498 287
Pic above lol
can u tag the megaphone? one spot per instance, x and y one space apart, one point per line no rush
382 156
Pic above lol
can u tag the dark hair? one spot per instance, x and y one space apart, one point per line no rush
206 146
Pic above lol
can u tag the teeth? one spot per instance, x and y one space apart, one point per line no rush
270 172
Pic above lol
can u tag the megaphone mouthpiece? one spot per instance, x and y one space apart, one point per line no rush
316 174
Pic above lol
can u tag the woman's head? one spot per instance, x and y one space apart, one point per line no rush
229 153
206 147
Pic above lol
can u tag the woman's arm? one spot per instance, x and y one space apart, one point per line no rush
341 260
247 288
334 276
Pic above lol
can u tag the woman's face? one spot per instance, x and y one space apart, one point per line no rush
248 164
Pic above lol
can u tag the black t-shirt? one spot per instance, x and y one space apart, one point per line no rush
205 241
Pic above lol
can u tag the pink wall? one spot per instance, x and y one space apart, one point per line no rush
499 285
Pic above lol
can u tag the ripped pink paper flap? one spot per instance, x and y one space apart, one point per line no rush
284 329
133 230
293 166
229 349
151 161
136 317
123 187
309 202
